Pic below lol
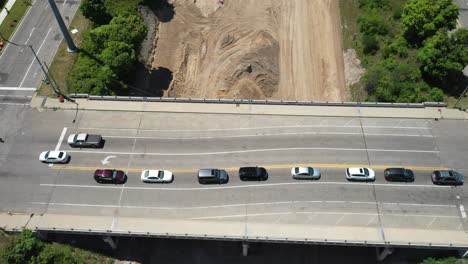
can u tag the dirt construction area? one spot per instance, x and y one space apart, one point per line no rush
253 49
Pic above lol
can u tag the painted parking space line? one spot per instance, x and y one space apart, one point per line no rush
248 151
266 185
276 166
17 89
221 206
59 143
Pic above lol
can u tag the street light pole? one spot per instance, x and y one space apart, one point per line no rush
71 46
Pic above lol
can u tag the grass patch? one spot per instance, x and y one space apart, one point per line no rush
349 11
15 15
463 104
63 61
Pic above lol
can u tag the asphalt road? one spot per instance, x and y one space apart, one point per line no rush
183 143
20 73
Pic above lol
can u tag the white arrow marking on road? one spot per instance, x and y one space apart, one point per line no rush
106 160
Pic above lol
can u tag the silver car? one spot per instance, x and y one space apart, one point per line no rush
306 173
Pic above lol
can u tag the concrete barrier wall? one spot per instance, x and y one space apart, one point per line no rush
258 102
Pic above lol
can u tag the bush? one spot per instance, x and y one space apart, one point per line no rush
370 44
95 10
372 23
23 248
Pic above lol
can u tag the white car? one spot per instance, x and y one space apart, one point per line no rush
360 174
305 173
157 176
54 157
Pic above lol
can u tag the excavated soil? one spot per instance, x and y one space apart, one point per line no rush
253 49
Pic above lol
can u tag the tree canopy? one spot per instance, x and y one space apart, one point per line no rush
423 18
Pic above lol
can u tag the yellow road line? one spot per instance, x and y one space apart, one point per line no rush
277 166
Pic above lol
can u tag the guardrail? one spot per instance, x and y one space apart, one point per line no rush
248 238
251 101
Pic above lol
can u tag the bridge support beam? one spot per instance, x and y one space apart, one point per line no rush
109 240
245 249
382 253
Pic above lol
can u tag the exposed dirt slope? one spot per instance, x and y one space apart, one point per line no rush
260 49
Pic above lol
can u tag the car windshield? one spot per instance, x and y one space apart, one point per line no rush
114 174
160 174
60 155
366 172
47 154
311 171
296 170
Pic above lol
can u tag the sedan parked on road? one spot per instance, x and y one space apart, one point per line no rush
157 176
399 175
54 157
305 173
360 174
110 176
447 177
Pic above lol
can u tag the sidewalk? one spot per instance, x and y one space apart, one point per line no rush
4 13
258 231
255 109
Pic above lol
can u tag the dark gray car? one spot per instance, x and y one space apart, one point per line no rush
207 176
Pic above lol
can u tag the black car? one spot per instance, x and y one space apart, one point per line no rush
399 175
447 177
253 173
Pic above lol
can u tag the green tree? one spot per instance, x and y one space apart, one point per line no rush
119 56
24 248
128 29
423 18
88 76
443 58
95 10
371 23
372 4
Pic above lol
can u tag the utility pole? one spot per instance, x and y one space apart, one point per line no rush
71 46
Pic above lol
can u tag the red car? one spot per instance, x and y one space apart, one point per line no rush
110 176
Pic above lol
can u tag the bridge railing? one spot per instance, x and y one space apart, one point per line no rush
256 102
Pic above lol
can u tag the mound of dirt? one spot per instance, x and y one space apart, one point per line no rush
253 49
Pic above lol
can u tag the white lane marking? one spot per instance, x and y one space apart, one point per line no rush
13 104
245 186
59 143
30 34
462 211
20 96
226 205
34 58
370 220
249 128
272 134
17 89
249 151
325 213
431 222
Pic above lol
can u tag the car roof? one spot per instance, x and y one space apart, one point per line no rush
54 154
396 170
248 169
303 169
447 174
356 170
81 137
206 172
